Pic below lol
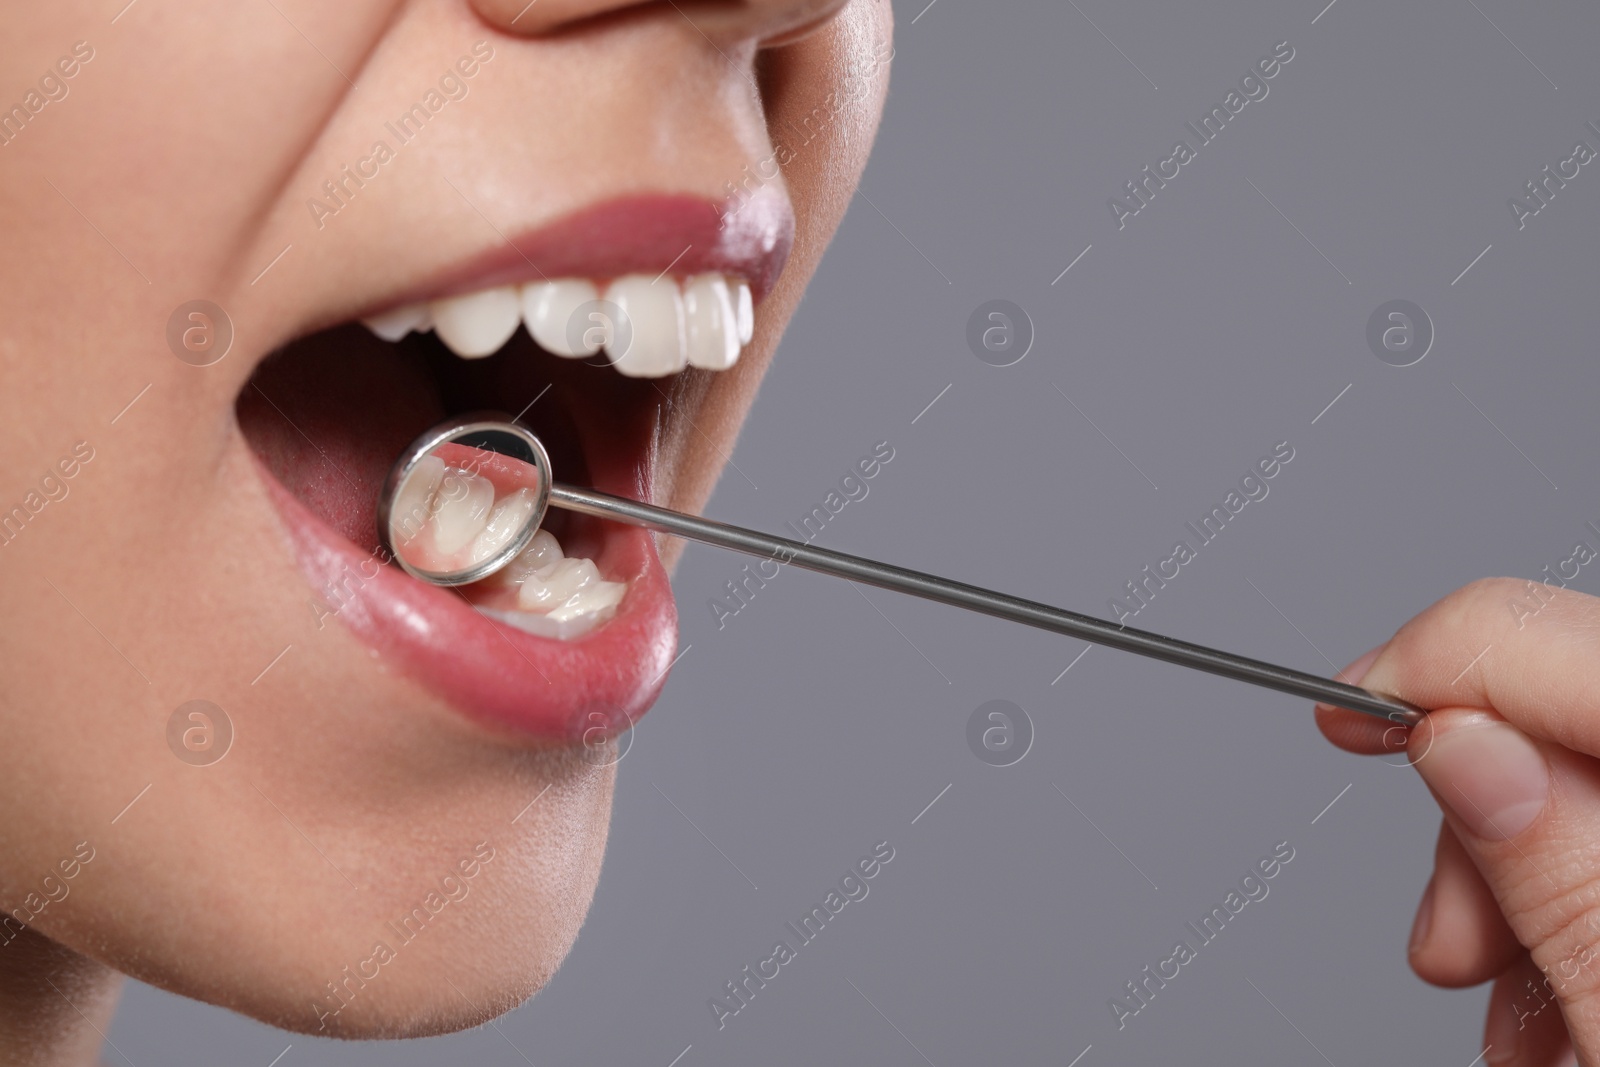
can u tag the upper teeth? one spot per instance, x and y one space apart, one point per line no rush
476 325
395 324
648 326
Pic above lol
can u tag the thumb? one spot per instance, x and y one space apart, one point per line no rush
1528 813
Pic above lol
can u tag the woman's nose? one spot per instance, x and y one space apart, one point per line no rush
721 21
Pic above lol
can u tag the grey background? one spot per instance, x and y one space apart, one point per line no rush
816 723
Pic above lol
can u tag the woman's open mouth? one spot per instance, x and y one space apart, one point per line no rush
572 330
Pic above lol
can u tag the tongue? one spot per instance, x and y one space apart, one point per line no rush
329 414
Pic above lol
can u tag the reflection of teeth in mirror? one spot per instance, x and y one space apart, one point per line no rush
446 518
557 595
413 504
460 511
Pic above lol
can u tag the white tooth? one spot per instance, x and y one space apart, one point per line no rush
413 504
548 626
549 587
565 598
476 325
541 551
595 599
654 312
710 322
746 304
395 323
506 520
460 511
548 309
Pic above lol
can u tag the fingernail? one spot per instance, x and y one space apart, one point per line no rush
1490 775
1353 674
1357 669
1502 1033
1424 920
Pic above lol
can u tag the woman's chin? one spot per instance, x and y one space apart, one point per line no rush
490 963
405 921
473 960
461 989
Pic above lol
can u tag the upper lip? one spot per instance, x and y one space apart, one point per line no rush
748 236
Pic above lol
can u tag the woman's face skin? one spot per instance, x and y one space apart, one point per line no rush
171 566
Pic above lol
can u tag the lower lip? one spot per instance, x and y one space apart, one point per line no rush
580 691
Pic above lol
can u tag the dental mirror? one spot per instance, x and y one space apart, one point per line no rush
499 467
464 499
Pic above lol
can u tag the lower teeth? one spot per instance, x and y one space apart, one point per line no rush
555 595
